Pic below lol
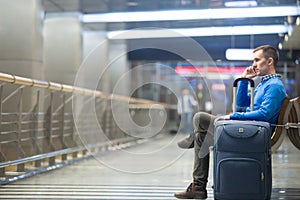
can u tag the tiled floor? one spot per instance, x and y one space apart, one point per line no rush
151 170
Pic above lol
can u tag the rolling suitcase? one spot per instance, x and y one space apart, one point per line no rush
242 158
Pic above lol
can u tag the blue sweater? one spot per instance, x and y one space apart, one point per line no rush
268 98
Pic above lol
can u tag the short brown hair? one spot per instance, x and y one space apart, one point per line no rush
269 52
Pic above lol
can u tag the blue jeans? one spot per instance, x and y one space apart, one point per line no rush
187 122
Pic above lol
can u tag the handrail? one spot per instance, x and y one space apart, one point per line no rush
45 135
40 156
59 152
10 78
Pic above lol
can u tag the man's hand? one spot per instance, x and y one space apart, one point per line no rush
249 72
225 117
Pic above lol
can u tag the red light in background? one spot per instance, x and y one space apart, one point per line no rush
208 69
200 86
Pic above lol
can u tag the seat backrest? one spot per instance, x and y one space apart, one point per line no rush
282 119
294 117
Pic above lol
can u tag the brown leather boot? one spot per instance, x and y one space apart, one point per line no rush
192 192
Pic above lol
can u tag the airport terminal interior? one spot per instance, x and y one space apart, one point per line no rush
89 92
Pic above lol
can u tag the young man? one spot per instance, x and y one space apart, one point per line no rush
186 109
268 98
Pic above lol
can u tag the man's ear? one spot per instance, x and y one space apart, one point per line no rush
270 61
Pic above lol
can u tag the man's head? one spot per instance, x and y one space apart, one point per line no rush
185 91
265 59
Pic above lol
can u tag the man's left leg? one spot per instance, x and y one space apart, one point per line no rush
197 189
205 124
202 142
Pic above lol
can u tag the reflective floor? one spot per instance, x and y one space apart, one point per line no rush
150 170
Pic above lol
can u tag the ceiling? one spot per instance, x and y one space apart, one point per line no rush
215 45
96 6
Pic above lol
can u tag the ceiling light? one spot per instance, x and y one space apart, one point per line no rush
286 38
197 32
240 3
171 15
132 3
239 54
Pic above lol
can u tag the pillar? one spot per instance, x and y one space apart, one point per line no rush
21 47
62 47
119 66
94 72
21 53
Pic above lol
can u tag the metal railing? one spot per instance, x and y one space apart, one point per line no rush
38 130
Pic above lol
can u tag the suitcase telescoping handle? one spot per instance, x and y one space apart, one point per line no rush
235 83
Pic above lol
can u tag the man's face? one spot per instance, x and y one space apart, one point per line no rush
186 92
260 63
